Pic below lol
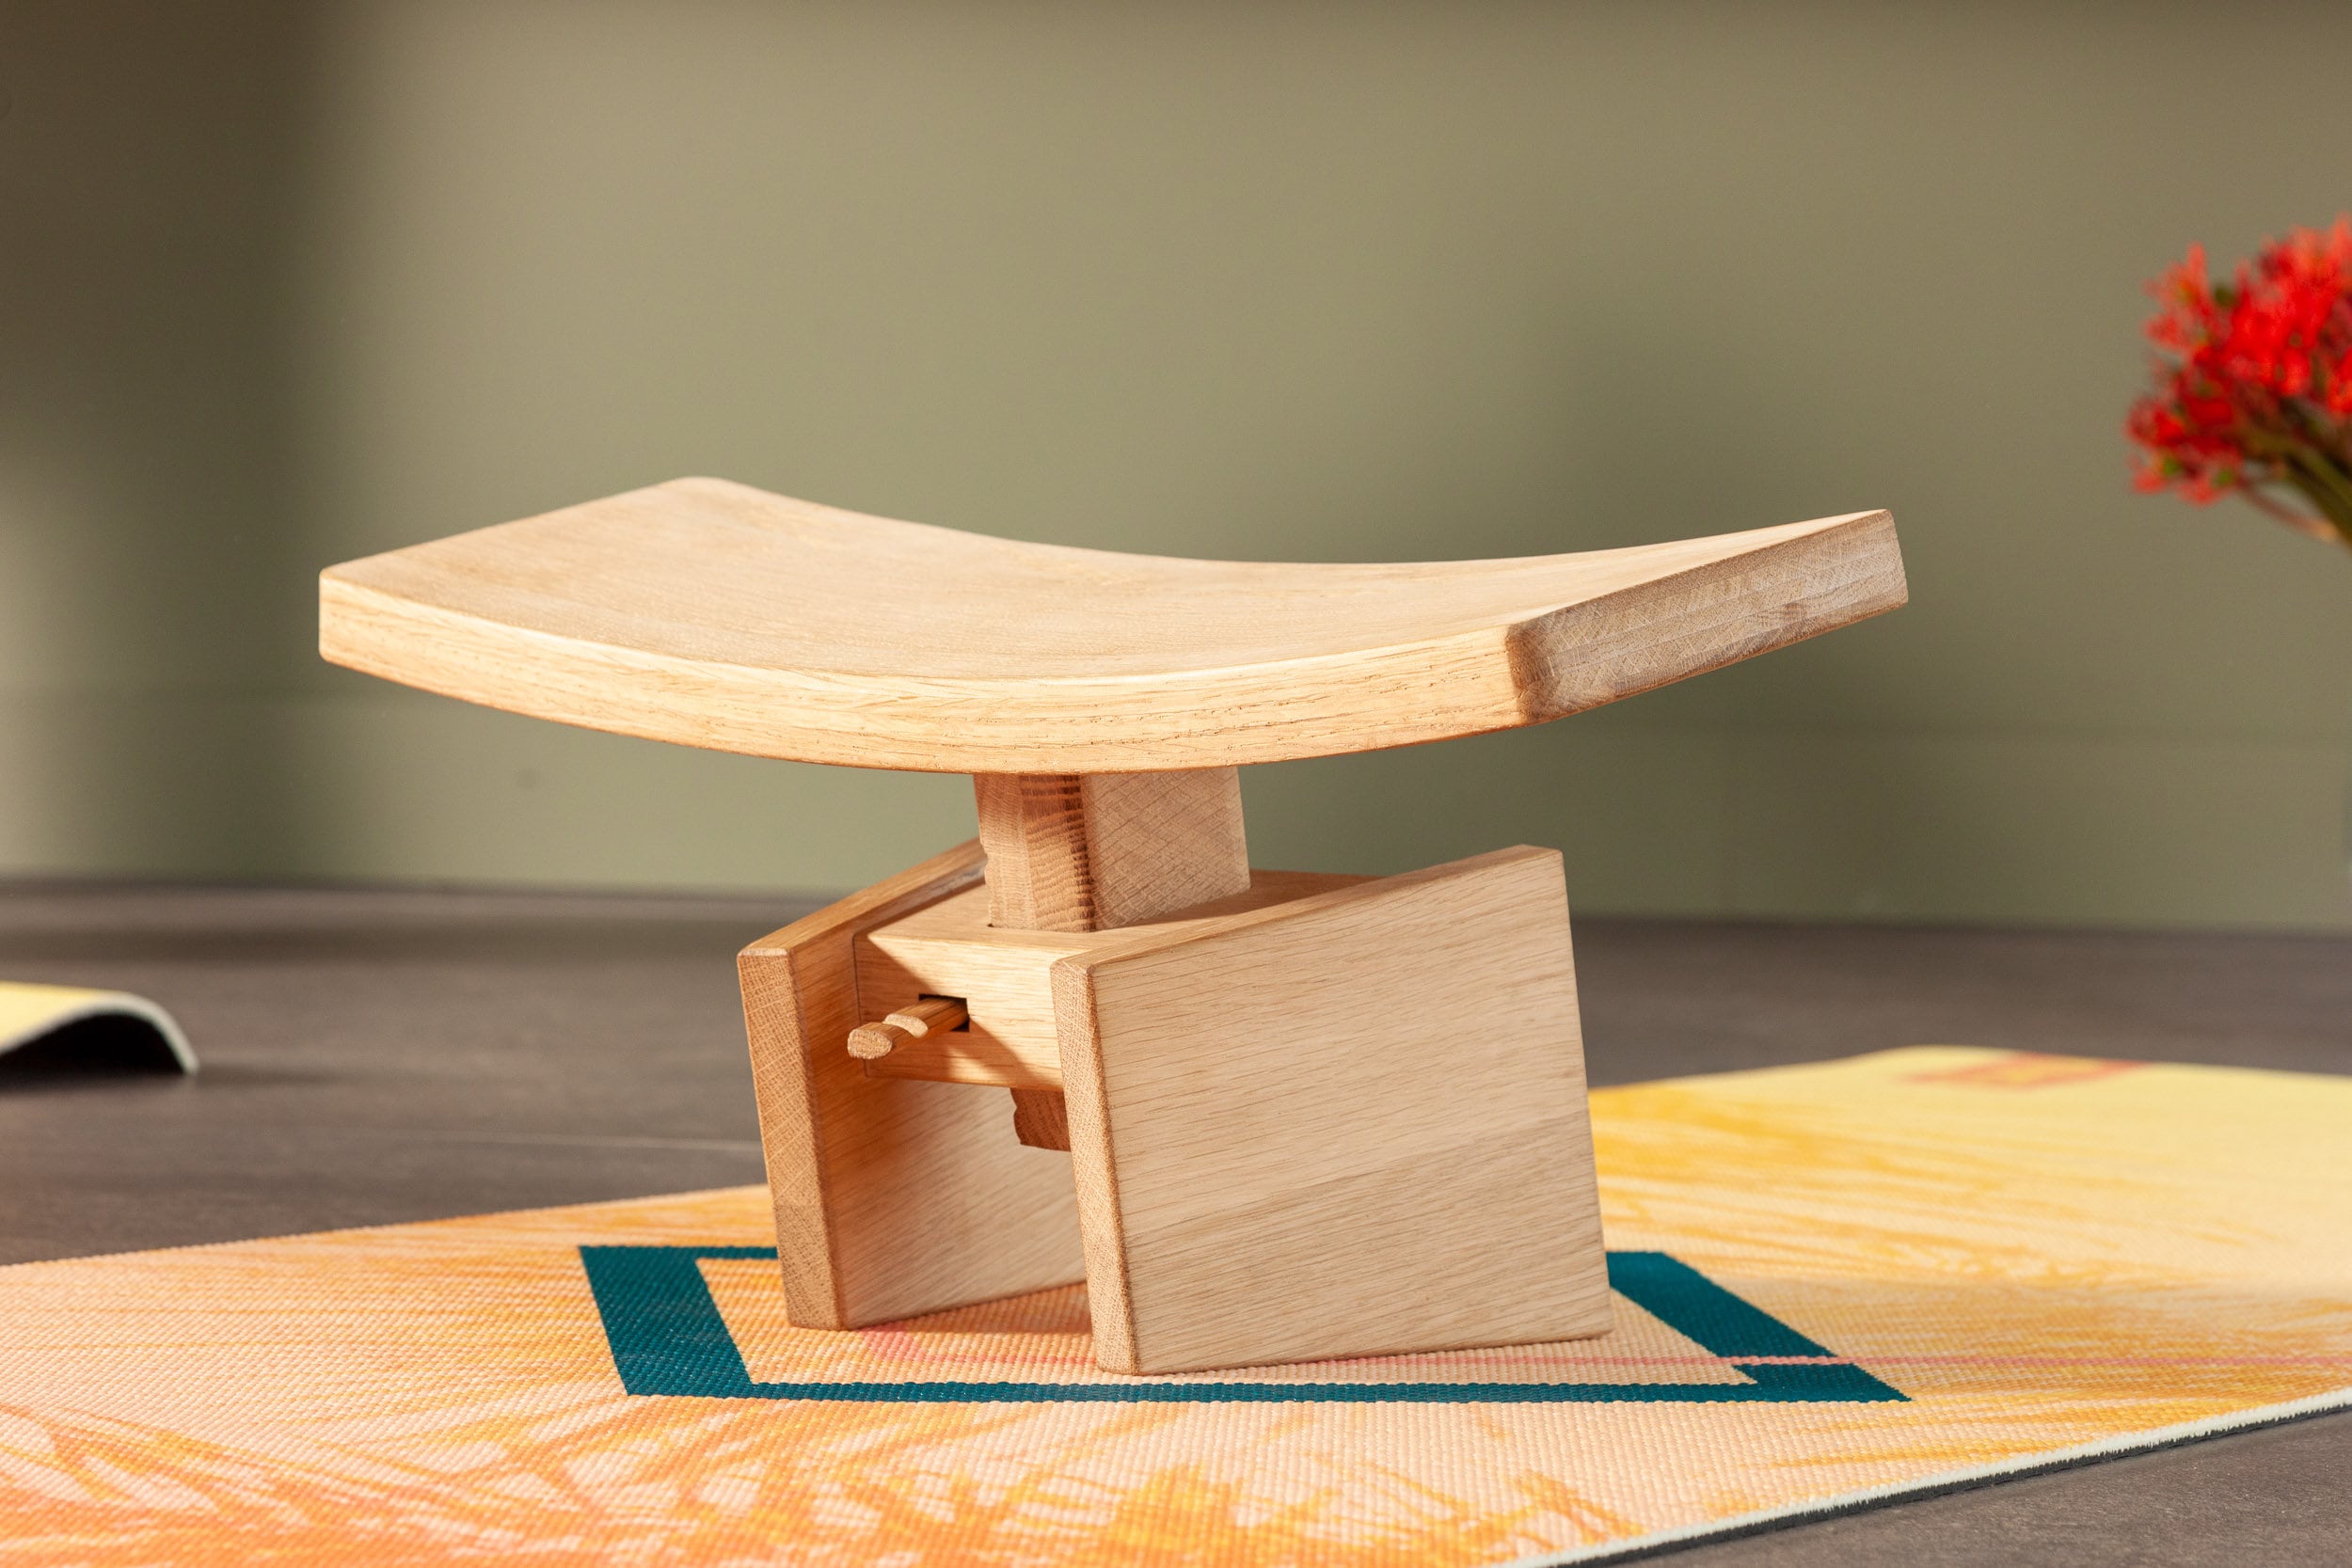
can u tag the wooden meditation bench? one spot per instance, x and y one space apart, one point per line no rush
1306 1116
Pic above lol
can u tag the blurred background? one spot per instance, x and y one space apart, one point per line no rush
284 284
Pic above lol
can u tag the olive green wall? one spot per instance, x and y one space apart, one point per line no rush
150 615
1292 281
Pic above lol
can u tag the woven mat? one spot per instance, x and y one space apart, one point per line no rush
1835 1284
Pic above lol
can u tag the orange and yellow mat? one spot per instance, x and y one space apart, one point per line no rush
1836 1283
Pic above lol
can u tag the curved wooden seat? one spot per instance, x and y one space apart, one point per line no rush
712 614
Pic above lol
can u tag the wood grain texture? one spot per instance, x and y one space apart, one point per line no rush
1094 851
1352 1124
1040 1119
891 1197
712 614
1004 977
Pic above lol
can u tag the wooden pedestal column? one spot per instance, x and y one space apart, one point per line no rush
1095 851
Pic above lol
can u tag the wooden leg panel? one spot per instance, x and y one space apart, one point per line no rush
1352 1124
893 1197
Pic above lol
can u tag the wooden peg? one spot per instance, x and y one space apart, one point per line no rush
871 1042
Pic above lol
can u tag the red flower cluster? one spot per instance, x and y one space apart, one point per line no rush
2255 388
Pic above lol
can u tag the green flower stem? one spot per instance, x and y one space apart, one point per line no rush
2312 470
2330 502
2317 474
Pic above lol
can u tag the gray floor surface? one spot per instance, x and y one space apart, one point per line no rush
376 1057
